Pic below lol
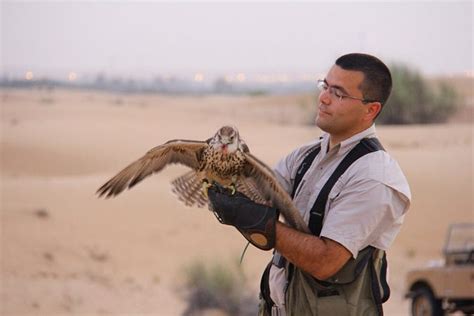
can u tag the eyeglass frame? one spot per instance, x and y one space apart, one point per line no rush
323 85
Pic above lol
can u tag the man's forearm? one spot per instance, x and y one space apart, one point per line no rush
320 257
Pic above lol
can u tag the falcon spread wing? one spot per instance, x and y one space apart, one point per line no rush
224 157
186 152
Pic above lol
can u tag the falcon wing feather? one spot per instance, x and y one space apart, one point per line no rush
186 152
271 190
250 188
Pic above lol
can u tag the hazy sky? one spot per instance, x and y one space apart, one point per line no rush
147 38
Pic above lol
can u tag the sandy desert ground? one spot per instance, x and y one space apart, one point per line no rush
66 252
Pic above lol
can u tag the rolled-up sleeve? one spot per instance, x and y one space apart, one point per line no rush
362 213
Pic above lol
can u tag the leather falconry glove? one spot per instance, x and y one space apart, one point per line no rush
256 222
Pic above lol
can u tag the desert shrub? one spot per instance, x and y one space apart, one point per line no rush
415 101
217 287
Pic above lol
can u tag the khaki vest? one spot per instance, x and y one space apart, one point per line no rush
358 289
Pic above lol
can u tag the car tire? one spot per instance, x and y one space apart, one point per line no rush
424 303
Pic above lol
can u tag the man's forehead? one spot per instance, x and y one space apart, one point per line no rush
349 79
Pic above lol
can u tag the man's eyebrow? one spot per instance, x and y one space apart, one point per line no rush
335 86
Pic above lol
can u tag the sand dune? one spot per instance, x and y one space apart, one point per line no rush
66 252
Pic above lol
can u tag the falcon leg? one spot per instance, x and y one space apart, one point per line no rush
232 188
205 187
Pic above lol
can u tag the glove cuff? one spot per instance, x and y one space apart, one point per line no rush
262 234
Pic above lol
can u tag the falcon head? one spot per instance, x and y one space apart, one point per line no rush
227 140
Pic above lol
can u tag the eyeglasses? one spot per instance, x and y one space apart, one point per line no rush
335 91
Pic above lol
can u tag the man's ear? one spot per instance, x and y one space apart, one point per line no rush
373 109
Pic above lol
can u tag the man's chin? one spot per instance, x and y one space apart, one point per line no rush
320 123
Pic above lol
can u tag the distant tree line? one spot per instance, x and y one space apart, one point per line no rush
414 100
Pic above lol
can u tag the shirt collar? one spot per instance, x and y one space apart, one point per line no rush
346 145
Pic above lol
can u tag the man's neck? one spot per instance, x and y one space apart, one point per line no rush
332 143
335 140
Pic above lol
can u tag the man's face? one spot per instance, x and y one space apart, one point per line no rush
342 117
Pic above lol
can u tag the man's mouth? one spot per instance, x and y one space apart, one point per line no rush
321 111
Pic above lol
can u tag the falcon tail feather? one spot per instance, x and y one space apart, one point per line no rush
188 188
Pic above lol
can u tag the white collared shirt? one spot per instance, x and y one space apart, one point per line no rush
365 207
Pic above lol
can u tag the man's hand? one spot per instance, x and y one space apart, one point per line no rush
256 222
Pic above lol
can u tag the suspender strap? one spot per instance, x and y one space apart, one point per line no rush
383 279
379 279
265 288
308 160
365 146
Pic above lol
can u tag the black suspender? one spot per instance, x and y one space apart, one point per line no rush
308 160
364 147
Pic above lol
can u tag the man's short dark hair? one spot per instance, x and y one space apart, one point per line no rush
377 83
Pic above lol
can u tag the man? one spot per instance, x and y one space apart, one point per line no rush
361 214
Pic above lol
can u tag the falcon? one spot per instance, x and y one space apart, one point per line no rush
224 158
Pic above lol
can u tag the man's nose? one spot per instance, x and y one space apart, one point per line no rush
325 97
